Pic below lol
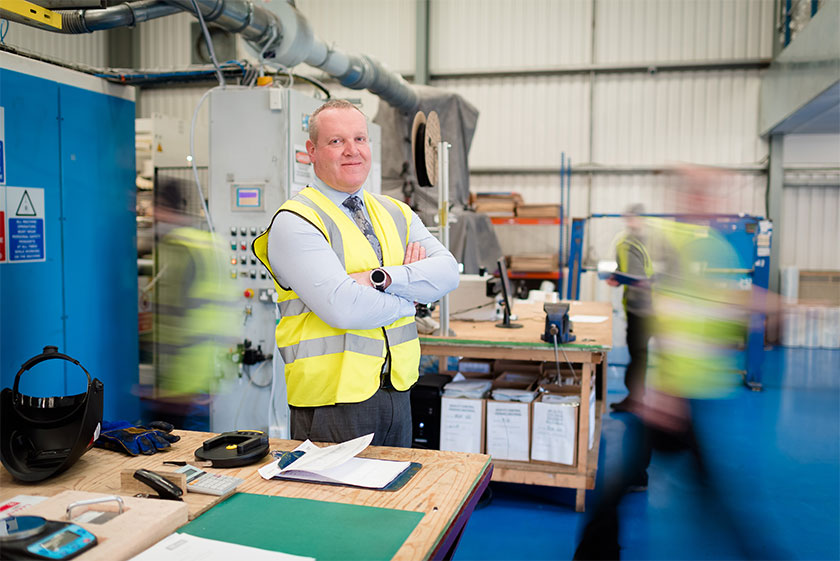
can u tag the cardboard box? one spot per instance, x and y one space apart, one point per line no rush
476 365
520 366
555 424
516 380
508 430
462 424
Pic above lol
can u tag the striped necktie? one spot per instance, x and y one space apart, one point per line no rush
355 205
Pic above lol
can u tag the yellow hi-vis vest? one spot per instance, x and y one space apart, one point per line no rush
625 242
699 318
325 365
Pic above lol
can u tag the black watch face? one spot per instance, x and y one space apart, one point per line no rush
377 276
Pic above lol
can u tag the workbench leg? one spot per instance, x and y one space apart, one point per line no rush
580 498
442 360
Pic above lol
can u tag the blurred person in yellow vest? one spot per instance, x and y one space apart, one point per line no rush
700 317
196 323
632 258
348 266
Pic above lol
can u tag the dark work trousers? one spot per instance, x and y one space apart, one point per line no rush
387 414
599 539
638 335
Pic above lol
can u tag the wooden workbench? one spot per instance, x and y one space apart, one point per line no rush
446 489
593 341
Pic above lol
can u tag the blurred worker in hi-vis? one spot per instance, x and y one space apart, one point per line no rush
348 266
632 258
197 324
700 318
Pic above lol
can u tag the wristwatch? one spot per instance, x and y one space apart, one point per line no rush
378 278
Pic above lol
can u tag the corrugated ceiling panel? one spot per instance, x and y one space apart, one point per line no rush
698 117
383 29
165 42
811 227
508 34
88 49
526 122
689 30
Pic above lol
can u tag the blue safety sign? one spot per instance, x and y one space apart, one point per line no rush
26 239
24 224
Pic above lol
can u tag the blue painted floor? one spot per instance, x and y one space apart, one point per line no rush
780 449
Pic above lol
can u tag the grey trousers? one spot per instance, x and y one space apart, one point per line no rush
387 414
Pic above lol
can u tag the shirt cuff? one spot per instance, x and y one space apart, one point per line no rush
399 279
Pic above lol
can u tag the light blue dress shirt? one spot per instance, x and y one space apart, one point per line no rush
302 260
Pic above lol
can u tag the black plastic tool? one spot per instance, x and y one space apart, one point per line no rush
234 449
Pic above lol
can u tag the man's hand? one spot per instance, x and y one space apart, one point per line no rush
414 252
612 282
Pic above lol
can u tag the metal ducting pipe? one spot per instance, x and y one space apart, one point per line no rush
122 15
289 36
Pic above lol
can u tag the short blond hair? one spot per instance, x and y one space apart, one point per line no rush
331 104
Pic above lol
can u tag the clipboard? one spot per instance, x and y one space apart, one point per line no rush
284 459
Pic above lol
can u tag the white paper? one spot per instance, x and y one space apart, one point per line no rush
337 464
508 430
185 547
555 426
588 319
19 502
461 424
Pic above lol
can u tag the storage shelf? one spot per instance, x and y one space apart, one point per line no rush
518 220
544 275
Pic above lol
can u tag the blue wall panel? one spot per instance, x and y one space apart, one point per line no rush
79 146
100 245
31 307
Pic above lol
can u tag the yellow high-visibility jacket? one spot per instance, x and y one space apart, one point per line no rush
326 365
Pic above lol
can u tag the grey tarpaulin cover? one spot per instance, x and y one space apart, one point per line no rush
473 240
458 118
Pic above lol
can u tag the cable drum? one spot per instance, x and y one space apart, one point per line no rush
425 137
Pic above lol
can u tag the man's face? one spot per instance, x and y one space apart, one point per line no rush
341 153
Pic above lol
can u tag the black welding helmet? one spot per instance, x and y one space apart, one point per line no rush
42 436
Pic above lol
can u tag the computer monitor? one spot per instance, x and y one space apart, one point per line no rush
507 296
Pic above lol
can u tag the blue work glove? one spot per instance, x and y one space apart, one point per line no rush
122 436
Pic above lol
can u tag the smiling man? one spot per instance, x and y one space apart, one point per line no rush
348 266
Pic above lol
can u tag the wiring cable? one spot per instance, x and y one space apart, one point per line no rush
195 166
3 30
209 42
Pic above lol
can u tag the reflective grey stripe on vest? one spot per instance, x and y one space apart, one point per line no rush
333 232
402 334
396 215
292 307
332 345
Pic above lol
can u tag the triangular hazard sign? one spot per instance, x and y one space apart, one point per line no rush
25 207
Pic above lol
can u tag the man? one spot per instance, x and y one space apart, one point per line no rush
632 258
196 317
349 266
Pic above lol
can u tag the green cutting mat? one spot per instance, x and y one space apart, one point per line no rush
318 529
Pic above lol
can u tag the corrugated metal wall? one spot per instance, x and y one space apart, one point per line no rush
90 49
811 218
604 119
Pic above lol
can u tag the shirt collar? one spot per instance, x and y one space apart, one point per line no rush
335 196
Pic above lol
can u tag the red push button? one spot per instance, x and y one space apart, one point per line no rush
248 293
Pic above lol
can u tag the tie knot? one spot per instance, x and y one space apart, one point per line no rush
353 202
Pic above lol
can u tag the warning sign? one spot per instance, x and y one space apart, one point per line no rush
23 225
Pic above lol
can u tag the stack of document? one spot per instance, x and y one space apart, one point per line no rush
511 394
562 399
337 464
473 389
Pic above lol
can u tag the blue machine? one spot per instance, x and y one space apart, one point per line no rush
750 236
68 255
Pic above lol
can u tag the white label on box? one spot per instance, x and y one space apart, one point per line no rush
461 424
508 428
555 427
